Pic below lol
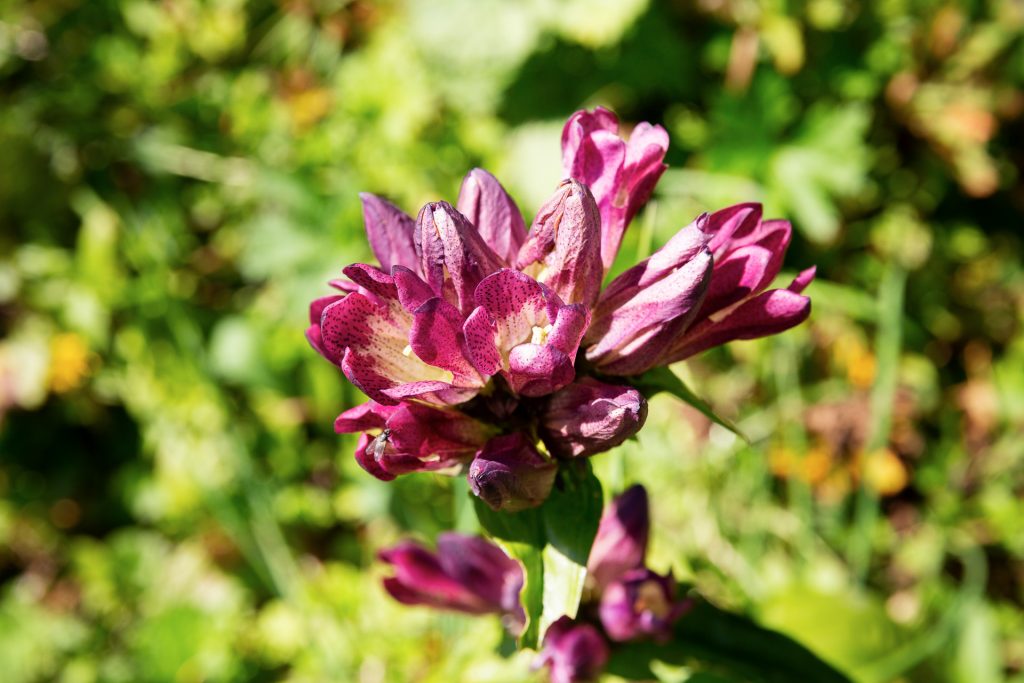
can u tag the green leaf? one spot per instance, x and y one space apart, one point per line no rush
570 515
729 643
553 544
663 379
521 536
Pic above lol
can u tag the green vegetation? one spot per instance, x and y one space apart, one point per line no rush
178 179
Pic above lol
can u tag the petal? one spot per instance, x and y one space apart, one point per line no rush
390 232
373 348
481 343
437 338
570 324
734 222
450 246
365 459
516 304
365 417
563 250
590 416
489 207
767 313
621 541
413 292
630 339
742 273
536 370
509 474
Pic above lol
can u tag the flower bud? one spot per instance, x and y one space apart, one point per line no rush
563 249
509 474
641 604
589 417
466 574
573 652
621 541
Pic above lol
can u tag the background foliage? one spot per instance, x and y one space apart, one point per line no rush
179 178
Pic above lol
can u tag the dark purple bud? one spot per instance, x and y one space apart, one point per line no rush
573 652
589 417
641 605
509 474
466 574
621 542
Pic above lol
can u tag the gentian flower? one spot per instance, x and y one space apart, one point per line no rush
522 330
621 174
466 574
411 437
590 416
509 474
574 652
621 541
641 604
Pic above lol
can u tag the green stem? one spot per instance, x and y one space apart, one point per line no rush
888 345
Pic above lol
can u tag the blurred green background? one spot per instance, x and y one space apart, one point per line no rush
178 178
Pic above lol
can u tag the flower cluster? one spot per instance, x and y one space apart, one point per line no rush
492 350
625 601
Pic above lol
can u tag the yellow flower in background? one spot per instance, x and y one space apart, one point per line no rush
883 471
69 362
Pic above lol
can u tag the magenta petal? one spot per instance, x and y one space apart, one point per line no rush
573 652
768 313
742 273
639 606
802 279
563 249
453 254
369 415
570 325
489 207
481 344
413 292
536 370
739 221
390 232
372 281
365 459
437 338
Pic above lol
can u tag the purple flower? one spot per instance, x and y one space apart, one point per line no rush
705 287
748 254
646 308
522 330
466 574
509 474
589 417
621 541
411 437
563 249
486 204
641 604
393 339
621 174
573 652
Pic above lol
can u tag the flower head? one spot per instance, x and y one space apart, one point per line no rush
509 474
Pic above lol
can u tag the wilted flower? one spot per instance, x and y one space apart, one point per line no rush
590 416
509 474
621 541
641 604
574 652
466 574
411 437
620 174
